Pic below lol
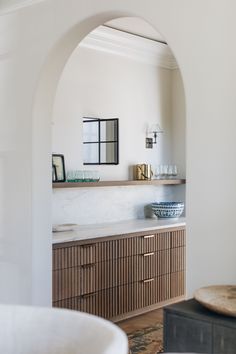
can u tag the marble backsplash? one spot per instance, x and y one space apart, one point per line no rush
109 204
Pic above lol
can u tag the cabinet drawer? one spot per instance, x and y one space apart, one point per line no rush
178 238
147 292
121 248
117 272
124 271
153 264
177 284
119 300
105 303
73 256
112 302
163 288
224 340
85 303
154 242
132 269
182 334
74 281
163 262
131 297
131 246
154 290
177 259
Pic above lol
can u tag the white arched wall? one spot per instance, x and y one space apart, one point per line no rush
209 80
44 101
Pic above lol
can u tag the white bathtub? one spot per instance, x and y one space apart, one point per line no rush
32 330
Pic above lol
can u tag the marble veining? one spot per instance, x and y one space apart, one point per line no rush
109 204
84 232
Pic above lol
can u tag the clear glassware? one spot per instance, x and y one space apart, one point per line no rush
165 171
86 176
95 176
161 173
170 171
174 171
79 176
157 172
70 176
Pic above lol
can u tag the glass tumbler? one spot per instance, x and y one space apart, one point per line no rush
79 176
174 171
95 176
87 176
157 172
70 176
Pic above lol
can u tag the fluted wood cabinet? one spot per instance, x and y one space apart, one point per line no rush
120 276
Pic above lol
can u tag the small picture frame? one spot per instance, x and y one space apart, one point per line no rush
58 168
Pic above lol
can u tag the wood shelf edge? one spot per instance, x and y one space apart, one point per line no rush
156 182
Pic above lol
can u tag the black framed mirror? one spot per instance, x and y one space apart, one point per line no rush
100 141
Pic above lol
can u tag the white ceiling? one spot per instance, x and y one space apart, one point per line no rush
136 26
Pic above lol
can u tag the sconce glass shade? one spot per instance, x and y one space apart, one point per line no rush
153 131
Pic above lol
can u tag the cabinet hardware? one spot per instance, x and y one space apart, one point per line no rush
148 280
85 296
148 254
87 245
89 265
148 236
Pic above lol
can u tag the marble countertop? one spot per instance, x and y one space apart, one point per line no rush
85 232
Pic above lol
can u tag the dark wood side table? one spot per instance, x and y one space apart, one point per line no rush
190 327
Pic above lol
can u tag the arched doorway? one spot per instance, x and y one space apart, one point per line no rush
44 100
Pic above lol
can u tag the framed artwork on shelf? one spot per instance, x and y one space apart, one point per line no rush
58 168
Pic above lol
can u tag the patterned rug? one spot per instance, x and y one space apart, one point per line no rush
147 341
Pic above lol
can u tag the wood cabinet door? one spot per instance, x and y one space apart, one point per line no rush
73 256
182 334
224 340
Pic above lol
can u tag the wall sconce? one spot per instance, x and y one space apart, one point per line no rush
151 135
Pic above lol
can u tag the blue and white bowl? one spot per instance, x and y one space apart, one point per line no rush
165 210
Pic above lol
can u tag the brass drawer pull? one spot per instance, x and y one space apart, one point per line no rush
148 280
85 296
89 265
148 236
148 254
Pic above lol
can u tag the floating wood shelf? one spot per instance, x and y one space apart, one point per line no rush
155 182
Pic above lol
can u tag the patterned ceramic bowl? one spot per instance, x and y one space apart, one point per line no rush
168 209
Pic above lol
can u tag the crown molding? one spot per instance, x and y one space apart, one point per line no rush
128 45
15 5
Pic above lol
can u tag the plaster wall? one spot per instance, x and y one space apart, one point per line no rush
178 122
201 35
99 84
